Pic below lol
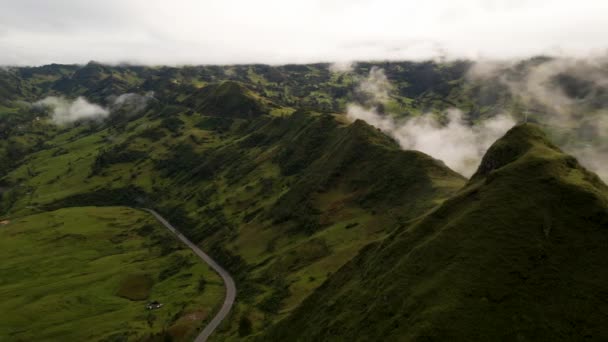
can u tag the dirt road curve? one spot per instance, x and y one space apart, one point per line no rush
228 282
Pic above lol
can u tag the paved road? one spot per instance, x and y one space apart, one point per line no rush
228 282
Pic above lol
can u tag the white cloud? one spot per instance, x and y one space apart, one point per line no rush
459 145
274 31
376 86
342 67
67 111
546 101
132 102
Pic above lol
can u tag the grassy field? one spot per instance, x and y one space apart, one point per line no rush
86 274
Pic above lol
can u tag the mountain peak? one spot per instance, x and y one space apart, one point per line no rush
516 143
500 250
229 99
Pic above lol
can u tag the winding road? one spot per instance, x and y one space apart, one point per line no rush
228 282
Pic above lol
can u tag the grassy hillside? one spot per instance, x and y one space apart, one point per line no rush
245 91
282 202
253 163
86 273
417 86
228 99
517 254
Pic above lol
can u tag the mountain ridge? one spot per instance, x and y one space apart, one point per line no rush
489 263
328 226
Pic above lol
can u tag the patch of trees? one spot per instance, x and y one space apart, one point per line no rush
233 263
245 326
172 123
239 168
179 217
177 263
273 302
115 155
216 124
10 196
166 111
152 134
214 220
182 159
254 140
193 166
308 146
299 210
166 246
127 196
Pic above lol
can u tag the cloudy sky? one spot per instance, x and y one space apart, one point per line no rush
295 31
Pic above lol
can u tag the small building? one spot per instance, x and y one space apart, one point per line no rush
154 305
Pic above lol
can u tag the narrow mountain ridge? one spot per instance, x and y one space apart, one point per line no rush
516 255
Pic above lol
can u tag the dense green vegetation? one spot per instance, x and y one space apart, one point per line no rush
280 219
517 254
327 226
280 197
86 273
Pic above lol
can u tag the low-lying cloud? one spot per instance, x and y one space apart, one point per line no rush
132 102
459 145
569 95
65 111
375 88
342 67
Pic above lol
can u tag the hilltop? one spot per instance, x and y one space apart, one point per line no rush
516 254
228 99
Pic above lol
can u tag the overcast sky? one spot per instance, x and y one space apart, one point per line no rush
295 31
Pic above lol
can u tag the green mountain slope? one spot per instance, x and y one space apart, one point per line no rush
253 163
517 254
281 201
